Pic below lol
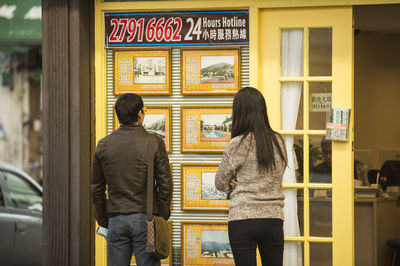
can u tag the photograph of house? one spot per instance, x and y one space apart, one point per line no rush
149 70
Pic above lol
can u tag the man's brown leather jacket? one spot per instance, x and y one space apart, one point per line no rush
120 164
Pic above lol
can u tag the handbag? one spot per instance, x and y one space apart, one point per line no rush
157 237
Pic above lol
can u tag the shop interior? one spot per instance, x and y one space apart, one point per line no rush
376 85
376 131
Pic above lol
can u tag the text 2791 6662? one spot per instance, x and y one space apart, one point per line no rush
177 28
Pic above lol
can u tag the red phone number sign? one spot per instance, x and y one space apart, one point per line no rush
177 28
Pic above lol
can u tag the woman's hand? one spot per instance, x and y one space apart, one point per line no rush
233 183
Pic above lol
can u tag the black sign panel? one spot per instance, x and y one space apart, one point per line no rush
177 28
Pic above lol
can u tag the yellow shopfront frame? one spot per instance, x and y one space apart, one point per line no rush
342 188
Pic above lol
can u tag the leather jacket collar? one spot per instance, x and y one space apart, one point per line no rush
129 126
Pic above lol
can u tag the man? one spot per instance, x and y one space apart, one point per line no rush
322 172
120 164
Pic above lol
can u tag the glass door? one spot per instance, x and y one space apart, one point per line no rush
307 62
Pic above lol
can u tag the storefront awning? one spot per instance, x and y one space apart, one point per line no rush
20 22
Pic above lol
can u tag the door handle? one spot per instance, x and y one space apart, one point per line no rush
21 228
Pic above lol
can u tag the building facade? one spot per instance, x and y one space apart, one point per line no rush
299 54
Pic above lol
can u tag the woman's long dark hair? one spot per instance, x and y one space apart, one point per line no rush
250 116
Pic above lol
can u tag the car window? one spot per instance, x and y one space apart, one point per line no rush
22 193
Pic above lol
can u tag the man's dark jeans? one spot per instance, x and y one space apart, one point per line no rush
127 234
246 235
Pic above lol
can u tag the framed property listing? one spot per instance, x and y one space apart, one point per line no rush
205 129
157 120
164 262
144 72
198 188
206 243
210 71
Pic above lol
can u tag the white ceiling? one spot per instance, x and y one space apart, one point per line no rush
378 18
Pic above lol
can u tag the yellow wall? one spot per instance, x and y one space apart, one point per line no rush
377 92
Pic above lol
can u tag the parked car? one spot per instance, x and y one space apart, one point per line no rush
20 218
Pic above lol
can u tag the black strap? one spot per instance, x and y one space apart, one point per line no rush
150 177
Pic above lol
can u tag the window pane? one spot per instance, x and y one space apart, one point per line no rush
294 212
320 164
320 52
321 212
292 105
292 53
320 100
298 222
320 254
23 195
298 160
293 208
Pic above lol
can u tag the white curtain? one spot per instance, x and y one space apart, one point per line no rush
292 66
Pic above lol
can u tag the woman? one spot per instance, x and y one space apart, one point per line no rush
252 168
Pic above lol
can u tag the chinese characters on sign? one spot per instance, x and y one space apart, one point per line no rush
192 130
177 28
337 126
125 67
192 68
321 102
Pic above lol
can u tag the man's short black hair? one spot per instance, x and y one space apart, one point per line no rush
127 108
325 142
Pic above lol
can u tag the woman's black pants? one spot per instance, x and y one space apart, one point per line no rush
246 235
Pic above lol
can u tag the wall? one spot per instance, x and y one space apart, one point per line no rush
35 130
377 93
14 104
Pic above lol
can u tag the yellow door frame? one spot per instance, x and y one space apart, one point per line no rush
340 20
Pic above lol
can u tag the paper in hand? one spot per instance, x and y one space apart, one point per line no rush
102 231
